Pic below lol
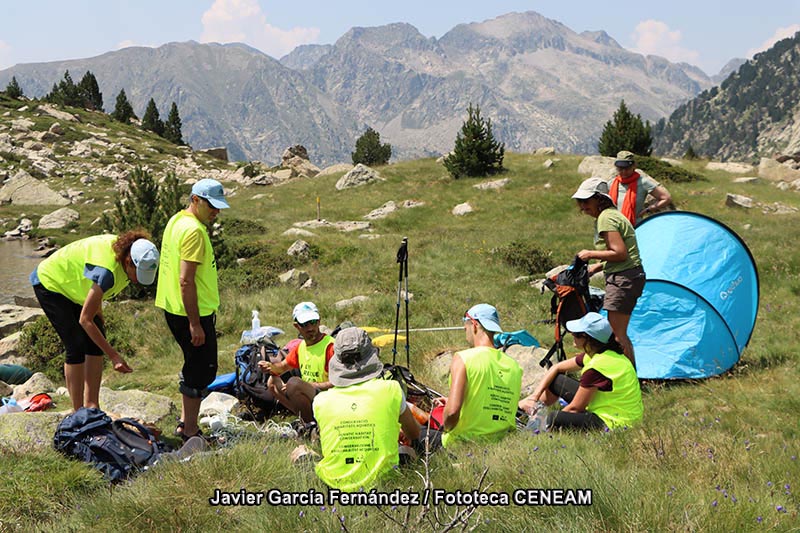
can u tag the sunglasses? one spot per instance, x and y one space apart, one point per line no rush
579 335
467 317
309 323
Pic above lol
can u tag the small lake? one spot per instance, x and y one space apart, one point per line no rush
16 264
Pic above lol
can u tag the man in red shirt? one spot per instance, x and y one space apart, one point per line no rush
311 356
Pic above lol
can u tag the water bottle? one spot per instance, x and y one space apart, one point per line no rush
255 324
538 418
10 406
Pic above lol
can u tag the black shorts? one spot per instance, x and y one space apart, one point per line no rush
65 316
199 362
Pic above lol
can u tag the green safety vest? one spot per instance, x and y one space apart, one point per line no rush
494 381
312 360
62 272
621 406
358 431
168 292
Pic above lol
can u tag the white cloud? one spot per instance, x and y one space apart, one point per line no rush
780 33
5 55
127 43
243 21
656 38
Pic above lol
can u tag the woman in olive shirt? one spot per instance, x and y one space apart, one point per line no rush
616 249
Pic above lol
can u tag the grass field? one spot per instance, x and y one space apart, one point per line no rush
712 455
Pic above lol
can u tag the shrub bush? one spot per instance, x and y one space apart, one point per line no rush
663 171
42 346
527 257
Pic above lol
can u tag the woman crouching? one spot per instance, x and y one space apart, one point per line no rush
607 395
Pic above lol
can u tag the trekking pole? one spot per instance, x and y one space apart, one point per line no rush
401 259
408 357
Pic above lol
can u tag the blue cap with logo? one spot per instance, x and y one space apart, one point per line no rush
487 316
212 191
593 324
145 256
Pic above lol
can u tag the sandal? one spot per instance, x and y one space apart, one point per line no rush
199 433
179 429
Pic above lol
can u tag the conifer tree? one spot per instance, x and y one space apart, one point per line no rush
90 93
625 131
123 110
476 152
151 121
65 92
172 127
370 151
13 90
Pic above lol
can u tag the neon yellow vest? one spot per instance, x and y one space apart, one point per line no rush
62 272
168 292
358 432
494 381
621 406
312 360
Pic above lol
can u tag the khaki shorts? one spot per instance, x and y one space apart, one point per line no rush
623 289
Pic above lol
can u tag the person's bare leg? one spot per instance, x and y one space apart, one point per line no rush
275 385
94 375
619 325
189 413
74 376
301 394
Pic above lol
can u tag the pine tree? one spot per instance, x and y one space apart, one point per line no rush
65 92
90 93
625 131
151 121
145 204
690 153
123 110
172 128
370 151
476 152
13 90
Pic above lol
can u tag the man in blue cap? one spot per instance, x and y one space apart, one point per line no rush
188 294
485 384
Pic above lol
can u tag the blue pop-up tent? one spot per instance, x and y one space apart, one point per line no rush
699 305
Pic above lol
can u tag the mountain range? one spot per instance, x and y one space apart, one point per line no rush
541 83
754 112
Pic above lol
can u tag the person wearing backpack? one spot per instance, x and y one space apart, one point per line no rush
608 393
71 286
187 292
616 248
312 356
360 418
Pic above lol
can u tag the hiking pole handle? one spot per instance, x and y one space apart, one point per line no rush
402 252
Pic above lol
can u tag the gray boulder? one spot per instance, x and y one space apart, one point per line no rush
598 165
59 218
145 406
335 169
294 277
36 383
5 389
56 113
24 189
9 346
360 175
737 200
734 168
24 432
13 317
299 248
382 212
494 184
298 232
462 209
772 170
355 300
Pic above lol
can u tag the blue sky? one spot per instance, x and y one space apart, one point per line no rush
703 33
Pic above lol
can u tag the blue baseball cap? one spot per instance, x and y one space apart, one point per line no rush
212 191
487 316
145 256
593 324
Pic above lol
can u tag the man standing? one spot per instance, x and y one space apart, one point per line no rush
485 384
360 417
311 356
630 188
188 294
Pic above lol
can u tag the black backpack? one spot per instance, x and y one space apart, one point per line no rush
117 448
571 300
251 384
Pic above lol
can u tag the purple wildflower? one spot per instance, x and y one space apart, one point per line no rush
536 448
780 508
714 503
301 514
759 519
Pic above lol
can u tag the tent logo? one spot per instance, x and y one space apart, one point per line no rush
732 287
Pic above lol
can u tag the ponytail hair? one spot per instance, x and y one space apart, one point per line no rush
122 246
